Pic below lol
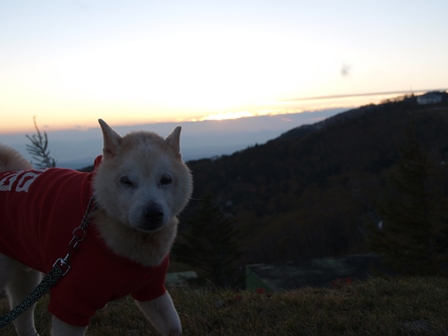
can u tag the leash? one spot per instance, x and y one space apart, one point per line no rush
58 271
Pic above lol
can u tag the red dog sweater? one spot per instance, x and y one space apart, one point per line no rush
40 209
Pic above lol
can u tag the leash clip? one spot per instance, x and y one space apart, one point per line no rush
63 264
78 236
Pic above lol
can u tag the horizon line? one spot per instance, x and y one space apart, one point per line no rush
364 94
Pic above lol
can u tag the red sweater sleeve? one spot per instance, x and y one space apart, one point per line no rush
157 287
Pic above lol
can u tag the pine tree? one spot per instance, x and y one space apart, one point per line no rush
209 244
38 148
411 215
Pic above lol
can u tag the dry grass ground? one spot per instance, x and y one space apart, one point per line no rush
402 306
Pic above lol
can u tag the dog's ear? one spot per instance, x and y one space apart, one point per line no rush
112 141
173 141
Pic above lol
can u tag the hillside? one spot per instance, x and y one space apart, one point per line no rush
307 193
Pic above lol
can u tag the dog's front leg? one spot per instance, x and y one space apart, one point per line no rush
60 328
162 314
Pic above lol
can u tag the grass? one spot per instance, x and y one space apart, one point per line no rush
395 306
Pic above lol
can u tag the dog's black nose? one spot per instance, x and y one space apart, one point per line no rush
153 217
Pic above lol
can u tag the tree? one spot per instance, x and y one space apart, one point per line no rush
209 244
38 148
410 235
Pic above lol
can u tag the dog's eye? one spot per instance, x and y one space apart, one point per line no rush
124 180
166 179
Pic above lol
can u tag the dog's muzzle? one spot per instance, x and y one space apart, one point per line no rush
152 218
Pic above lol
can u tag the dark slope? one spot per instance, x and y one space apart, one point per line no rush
305 194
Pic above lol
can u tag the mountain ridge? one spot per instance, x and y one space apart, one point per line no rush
306 193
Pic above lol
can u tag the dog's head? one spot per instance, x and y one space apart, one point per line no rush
142 180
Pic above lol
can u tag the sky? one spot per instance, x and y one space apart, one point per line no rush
70 62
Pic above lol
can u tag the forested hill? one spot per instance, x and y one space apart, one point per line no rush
308 192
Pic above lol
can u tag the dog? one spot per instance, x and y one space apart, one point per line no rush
140 185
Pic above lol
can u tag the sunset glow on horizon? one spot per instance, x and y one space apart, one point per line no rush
134 62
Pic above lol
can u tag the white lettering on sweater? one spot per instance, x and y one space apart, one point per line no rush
25 179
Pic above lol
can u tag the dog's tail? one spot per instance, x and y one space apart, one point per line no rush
10 159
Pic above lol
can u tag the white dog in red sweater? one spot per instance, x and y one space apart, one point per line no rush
140 185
